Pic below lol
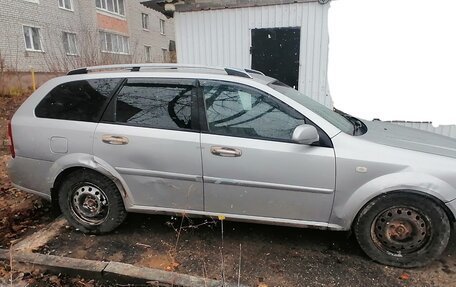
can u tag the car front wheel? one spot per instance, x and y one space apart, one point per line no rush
402 230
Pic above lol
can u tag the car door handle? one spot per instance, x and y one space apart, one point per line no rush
226 151
115 140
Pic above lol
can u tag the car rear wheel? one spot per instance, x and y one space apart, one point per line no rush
91 202
403 230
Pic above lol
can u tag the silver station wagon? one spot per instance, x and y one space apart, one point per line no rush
163 138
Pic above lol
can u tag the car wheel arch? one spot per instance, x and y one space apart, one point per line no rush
346 209
70 163
422 194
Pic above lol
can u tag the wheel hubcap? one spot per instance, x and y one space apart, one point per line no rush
90 204
400 230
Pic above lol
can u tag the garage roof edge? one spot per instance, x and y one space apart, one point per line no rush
216 5
202 5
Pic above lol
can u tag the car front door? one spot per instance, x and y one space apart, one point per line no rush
250 165
148 135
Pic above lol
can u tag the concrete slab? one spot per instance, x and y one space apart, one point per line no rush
113 271
41 237
128 272
56 264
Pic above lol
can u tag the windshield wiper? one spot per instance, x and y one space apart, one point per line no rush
358 125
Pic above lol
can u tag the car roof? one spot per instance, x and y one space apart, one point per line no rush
254 75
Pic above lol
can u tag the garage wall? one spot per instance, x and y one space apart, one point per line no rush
223 38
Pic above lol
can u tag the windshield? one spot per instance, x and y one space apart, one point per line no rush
331 116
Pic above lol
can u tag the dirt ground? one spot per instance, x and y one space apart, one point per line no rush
262 255
271 255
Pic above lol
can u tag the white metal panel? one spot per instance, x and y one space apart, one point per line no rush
446 130
223 38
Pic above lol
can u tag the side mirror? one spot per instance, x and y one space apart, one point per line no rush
305 134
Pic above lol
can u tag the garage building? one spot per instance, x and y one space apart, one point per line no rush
284 39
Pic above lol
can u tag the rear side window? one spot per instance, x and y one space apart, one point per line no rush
155 104
78 101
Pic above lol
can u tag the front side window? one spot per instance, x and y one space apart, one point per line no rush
69 43
145 103
77 101
329 115
241 111
145 21
112 6
66 4
32 38
114 43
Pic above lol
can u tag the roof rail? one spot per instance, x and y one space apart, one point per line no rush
251 71
137 67
237 72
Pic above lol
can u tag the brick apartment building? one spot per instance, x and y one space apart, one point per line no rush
58 35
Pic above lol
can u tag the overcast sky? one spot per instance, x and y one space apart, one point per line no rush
394 59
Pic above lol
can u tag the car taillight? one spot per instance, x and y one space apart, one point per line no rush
10 138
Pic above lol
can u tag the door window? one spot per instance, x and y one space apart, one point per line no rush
78 100
156 105
237 110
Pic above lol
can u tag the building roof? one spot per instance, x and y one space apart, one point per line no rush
200 5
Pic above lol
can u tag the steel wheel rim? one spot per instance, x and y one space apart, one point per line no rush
89 204
400 230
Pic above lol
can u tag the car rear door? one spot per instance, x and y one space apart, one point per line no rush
251 166
149 134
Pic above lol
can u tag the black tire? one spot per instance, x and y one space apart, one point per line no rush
402 230
91 202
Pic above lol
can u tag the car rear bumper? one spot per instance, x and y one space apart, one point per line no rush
30 175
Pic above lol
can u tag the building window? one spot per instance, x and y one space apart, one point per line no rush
32 38
162 26
147 53
66 4
145 21
165 55
114 43
69 43
111 6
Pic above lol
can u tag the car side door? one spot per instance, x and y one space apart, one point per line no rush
251 167
150 135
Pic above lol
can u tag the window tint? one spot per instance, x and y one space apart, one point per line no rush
78 100
237 110
156 105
